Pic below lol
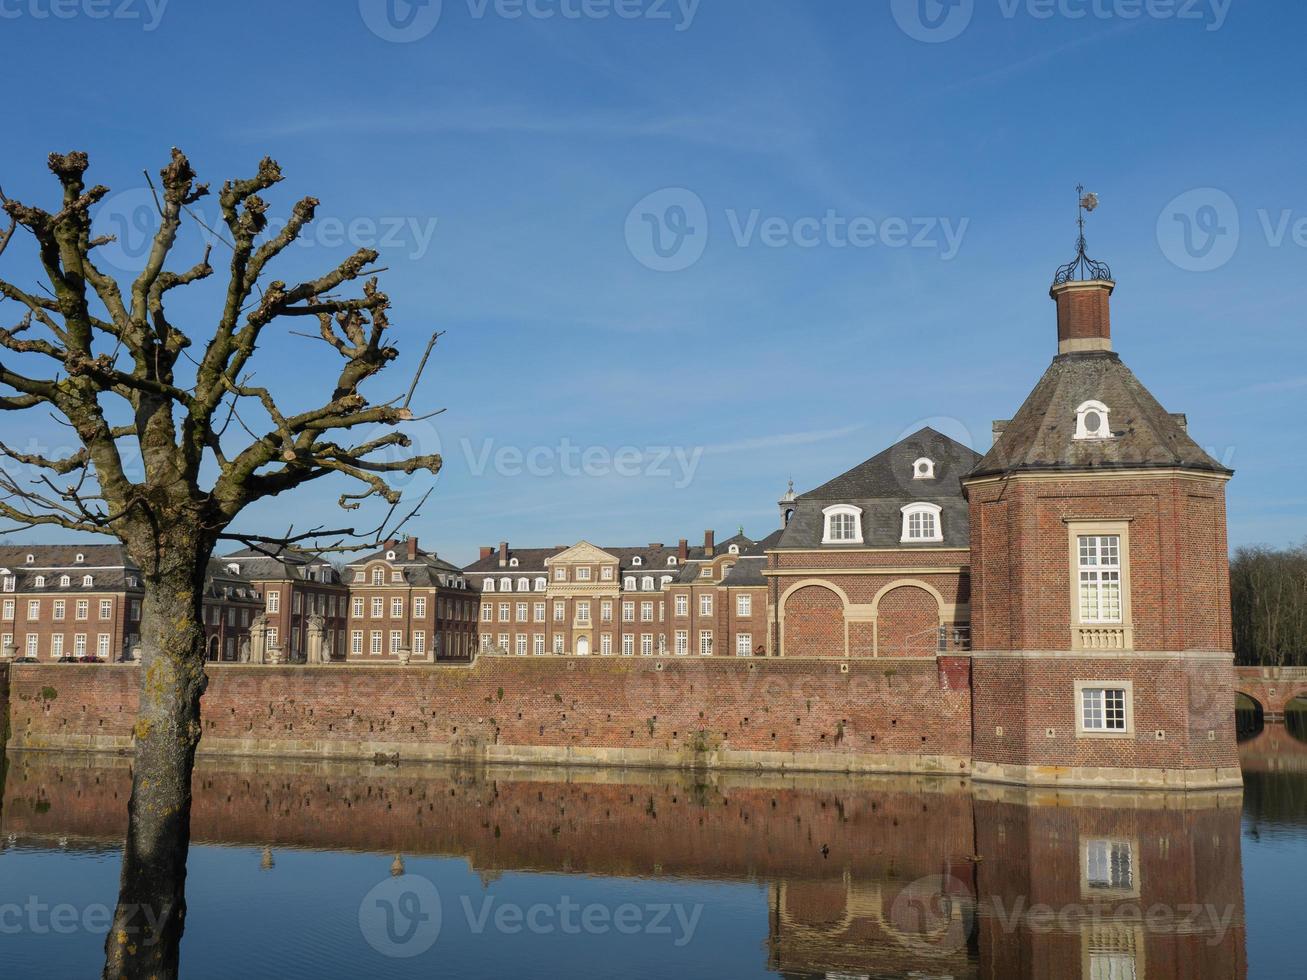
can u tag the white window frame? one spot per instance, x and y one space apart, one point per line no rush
828 535
419 607
682 648
1083 429
744 644
921 510
744 604
1101 861
682 604
628 644
705 604
705 643
1084 690
274 601
923 469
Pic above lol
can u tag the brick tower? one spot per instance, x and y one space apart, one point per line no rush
1099 577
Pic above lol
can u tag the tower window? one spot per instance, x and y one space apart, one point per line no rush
1092 421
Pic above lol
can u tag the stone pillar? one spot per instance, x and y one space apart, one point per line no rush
317 642
259 640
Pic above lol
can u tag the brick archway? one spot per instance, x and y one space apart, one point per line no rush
907 621
1273 688
812 623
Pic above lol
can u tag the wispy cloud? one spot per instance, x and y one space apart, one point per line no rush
780 439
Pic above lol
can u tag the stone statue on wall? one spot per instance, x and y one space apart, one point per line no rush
244 655
318 652
8 652
259 639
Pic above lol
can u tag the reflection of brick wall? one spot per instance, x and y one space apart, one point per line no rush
674 710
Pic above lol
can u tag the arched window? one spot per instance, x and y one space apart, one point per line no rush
488 585
87 581
505 584
843 524
734 549
378 576
512 563
637 560
646 583
671 562
921 523
1092 421
524 585
923 469
80 558
40 582
64 581
629 583
541 584
390 556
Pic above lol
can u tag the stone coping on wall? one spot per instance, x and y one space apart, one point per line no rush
1104 777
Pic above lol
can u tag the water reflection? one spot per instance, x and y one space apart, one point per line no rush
861 877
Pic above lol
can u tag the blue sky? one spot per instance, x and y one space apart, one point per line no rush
870 206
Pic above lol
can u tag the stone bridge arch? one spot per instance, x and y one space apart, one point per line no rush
1272 688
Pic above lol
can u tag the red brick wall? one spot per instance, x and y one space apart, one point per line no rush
688 706
1179 563
814 623
908 623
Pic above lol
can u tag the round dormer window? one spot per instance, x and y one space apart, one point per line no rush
1092 421
923 469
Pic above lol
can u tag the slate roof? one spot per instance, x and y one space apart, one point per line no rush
107 564
1041 436
291 564
425 570
881 487
746 571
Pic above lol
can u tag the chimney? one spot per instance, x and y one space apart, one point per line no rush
709 539
503 554
1084 321
411 548
683 551
487 551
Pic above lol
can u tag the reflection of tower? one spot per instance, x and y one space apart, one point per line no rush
1123 887
266 863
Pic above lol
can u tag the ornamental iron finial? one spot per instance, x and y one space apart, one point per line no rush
1082 268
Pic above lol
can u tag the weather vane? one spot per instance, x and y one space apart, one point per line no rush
1082 267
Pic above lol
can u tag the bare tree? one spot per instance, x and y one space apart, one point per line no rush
105 359
1268 596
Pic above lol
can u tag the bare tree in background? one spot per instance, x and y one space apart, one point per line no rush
104 358
1268 596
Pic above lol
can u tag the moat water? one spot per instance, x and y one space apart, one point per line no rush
304 870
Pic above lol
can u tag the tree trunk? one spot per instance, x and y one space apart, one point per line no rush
147 928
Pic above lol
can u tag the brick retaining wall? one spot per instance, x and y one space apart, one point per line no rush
889 715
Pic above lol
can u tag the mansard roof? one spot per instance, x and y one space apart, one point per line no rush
881 486
1041 437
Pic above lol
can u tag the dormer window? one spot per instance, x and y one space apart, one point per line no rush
921 523
646 583
505 585
843 524
524 585
80 558
488 585
30 559
923 469
1092 421
87 581
734 549
40 582
390 556
637 560
541 584
671 562
64 581
628 583
378 576
512 563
